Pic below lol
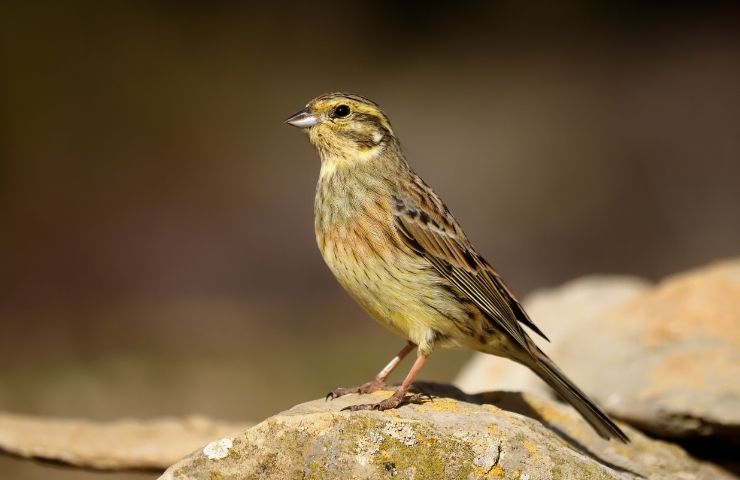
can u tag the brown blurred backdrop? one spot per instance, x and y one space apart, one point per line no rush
156 238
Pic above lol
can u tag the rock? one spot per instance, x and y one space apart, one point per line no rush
493 435
666 360
118 445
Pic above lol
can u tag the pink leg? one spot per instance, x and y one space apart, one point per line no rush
399 396
377 383
383 374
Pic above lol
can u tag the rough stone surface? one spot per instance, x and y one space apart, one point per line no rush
666 360
123 444
494 435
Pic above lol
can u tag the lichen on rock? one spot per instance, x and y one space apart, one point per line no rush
493 435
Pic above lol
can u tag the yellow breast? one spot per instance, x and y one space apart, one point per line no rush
396 286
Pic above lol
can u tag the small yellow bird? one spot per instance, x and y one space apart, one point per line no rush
395 247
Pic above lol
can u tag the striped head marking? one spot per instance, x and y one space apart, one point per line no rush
342 125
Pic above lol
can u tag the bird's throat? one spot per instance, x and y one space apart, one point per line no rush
333 161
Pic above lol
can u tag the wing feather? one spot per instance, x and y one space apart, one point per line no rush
435 235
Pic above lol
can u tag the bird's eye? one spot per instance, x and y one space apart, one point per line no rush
341 111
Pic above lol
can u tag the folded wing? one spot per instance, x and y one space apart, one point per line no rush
435 235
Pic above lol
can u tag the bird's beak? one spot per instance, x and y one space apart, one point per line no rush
302 119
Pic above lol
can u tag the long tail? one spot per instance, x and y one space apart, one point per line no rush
592 413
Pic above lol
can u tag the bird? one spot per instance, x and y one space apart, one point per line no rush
395 247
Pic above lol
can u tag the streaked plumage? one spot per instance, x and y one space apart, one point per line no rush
395 247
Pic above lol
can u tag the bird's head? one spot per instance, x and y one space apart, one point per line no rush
344 127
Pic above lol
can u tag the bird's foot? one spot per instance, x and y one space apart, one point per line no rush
369 387
398 398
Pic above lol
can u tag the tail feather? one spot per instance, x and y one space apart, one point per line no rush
592 413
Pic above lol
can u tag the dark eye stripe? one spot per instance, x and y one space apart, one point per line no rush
362 139
368 118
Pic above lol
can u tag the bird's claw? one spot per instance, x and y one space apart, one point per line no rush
396 400
369 387
419 398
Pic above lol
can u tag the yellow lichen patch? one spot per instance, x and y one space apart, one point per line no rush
548 413
382 393
497 472
481 472
440 405
493 408
531 447
432 441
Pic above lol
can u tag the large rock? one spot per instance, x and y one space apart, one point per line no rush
666 360
116 445
494 435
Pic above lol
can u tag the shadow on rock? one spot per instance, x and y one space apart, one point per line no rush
514 402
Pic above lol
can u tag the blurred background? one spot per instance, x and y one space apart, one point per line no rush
157 254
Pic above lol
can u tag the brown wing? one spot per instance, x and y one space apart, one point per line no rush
434 233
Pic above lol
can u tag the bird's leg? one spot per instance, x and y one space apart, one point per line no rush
377 383
399 396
